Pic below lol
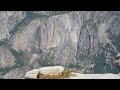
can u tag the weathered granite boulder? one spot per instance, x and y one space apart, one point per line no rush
55 70
51 70
32 74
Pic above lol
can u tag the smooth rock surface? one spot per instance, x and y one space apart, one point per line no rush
32 74
95 76
55 70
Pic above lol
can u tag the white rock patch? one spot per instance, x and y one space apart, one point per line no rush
55 70
32 74
95 76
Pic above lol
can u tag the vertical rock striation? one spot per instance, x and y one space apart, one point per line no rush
85 40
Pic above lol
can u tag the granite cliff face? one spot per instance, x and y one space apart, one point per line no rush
85 40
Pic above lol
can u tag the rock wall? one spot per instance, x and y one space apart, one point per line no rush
85 40
6 58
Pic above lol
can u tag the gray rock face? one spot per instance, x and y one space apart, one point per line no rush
96 49
85 40
8 20
15 74
49 34
117 62
6 58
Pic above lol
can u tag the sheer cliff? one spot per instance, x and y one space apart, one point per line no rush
84 40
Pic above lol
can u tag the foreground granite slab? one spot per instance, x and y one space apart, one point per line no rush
95 76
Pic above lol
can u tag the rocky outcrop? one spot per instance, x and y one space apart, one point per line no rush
51 70
58 70
6 58
32 74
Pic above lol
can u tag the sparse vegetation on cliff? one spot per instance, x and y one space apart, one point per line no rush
65 74
3 42
18 56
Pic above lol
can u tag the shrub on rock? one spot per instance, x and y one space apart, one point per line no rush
65 74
